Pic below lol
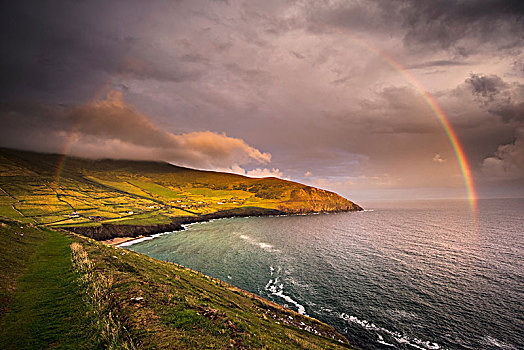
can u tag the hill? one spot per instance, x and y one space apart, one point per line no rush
108 198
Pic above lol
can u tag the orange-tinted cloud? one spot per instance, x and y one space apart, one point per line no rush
110 128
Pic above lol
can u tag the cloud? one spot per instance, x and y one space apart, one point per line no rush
500 98
258 172
438 158
395 110
265 173
466 26
485 85
437 63
300 85
508 161
463 27
112 124
503 101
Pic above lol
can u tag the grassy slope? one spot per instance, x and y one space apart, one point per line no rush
50 306
36 188
42 302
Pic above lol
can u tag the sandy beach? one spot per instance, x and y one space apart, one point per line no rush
118 240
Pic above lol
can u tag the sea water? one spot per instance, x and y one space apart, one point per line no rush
407 275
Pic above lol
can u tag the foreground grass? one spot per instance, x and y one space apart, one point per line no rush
66 291
45 306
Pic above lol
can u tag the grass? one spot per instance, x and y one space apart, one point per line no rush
46 308
14 252
99 299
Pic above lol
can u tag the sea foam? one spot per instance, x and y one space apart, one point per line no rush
399 338
142 239
276 288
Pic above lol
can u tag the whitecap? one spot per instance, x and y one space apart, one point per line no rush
262 245
142 239
381 341
277 289
399 338
498 343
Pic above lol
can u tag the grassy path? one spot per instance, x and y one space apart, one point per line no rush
46 307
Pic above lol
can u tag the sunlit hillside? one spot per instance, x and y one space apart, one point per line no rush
66 191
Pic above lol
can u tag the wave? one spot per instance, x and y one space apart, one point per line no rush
381 341
498 343
142 239
187 226
262 245
277 289
399 338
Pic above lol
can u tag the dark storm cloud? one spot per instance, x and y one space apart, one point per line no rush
501 106
507 162
485 85
464 26
444 24
72 47
47 46
302 80
498 97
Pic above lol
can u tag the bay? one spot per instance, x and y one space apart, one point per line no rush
405 275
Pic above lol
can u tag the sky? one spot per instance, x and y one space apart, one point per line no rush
311 91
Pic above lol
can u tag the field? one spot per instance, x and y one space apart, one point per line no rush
60 191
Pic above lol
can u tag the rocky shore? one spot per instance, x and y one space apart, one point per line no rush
111 231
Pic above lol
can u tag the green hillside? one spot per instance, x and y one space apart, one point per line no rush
60 191
63 291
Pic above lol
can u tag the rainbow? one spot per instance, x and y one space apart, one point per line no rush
100 93
441 117
430 101
63 156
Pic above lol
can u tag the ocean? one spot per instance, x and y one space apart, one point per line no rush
404 275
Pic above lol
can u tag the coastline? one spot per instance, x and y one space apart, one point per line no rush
115 235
